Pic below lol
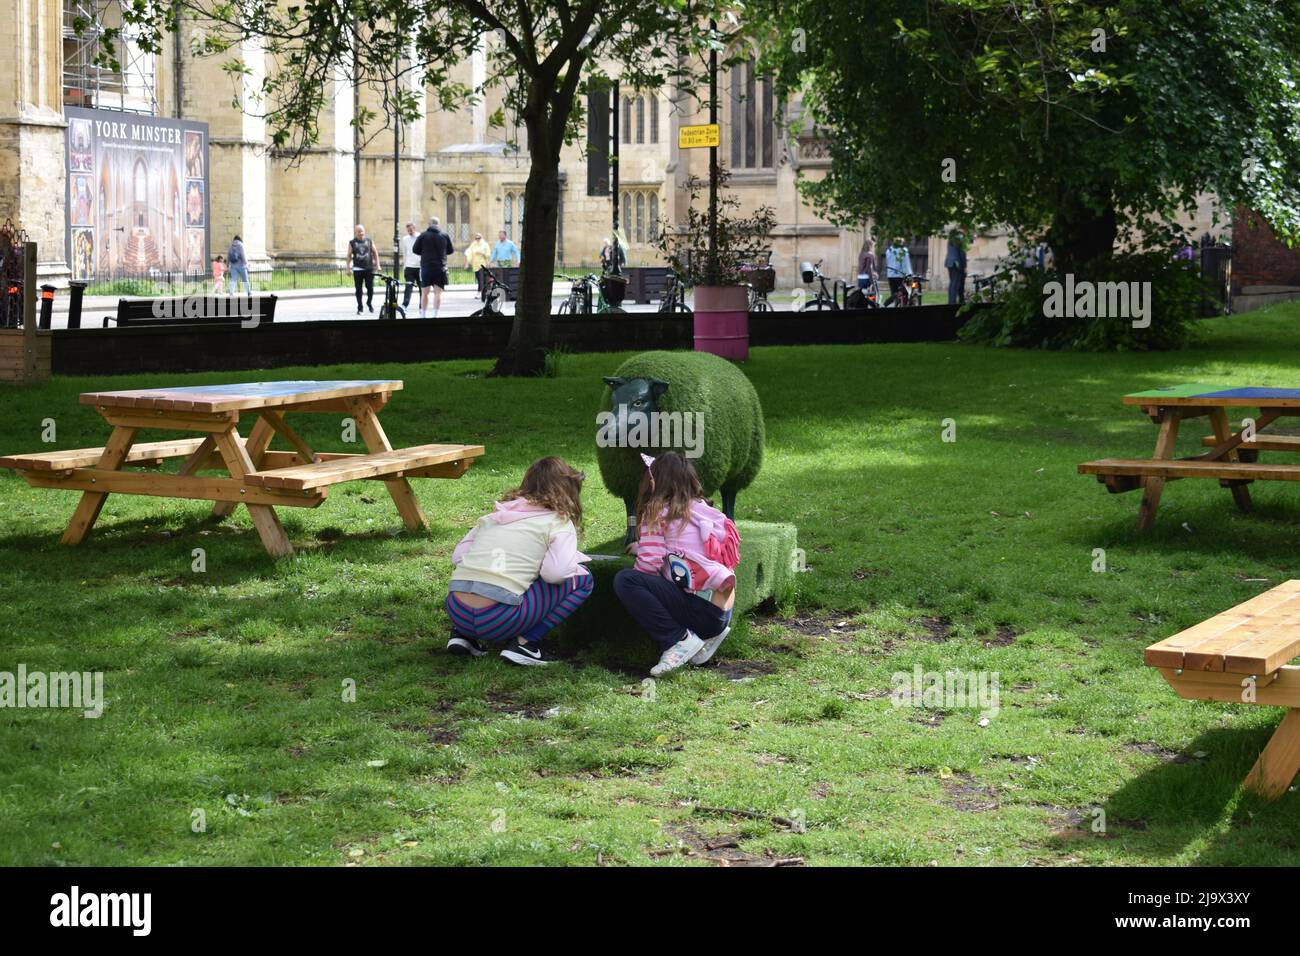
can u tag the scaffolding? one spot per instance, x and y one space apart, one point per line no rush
87 81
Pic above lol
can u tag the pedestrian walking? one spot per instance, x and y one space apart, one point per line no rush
955 262
362 260
238 263
410 264
433 246
505 253
898 266
477 254
218 275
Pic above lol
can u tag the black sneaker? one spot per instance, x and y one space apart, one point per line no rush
527 655
463 646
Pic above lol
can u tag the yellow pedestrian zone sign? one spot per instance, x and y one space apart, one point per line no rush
698 137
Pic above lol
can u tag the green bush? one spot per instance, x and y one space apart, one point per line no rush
1020 318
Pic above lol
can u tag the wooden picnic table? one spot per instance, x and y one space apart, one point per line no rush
257 476
1232 458
1240 656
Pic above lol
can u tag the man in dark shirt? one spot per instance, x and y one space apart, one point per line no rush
955 262
433 246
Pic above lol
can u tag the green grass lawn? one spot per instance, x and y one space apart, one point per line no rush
225 688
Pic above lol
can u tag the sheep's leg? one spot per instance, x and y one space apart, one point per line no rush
729 503
630 505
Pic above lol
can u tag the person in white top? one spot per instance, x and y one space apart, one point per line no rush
518 572
410 264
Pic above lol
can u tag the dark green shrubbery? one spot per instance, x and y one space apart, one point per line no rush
1019 318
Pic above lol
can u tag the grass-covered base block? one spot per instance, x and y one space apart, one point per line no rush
602 630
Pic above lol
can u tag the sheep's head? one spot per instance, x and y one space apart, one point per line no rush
634 396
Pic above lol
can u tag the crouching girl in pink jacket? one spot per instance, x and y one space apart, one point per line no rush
518 572
683 586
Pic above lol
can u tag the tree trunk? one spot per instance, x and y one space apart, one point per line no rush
530 334
1080 234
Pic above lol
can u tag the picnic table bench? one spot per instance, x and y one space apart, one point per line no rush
258 477
1241 656
1232 458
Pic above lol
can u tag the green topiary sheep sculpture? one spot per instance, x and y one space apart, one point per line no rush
693 403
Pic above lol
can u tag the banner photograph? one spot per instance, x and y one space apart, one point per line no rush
137 195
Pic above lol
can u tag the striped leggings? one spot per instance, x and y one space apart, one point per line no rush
543 607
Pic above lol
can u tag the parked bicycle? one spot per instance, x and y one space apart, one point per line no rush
759 280
988 288
827 299
581 294
866 295
495 293
674 296
909 295
390 309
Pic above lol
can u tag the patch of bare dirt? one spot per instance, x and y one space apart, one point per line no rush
929 718
1004 635
720 849
505 704
1162 753
861 574
937 629
737 670
966 795
813 625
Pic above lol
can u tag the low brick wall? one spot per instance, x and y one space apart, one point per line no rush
113 351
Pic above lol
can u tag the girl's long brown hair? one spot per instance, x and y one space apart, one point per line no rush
554 484
667 489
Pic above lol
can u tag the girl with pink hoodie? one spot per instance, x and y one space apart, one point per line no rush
518 572
683 586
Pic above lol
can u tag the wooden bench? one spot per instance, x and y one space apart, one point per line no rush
421 461
194 310
147 454
1173 469
1240 656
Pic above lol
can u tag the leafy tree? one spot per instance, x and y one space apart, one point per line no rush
1078 121
543 55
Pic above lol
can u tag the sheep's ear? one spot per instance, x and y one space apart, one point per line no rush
612 381
657 387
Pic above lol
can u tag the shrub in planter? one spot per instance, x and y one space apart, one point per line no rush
741 240
1095 309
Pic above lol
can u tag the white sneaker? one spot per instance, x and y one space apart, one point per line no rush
710 647
435 314
422 313
677 655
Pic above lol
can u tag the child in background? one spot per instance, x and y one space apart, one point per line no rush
517 574
683 586
218 274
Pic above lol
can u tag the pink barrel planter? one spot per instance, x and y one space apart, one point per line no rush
722 321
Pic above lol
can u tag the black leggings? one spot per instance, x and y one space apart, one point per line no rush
412 276
665 610
367 278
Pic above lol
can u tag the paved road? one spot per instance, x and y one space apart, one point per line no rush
315 304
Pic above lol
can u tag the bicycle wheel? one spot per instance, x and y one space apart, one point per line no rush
761 305
565 307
